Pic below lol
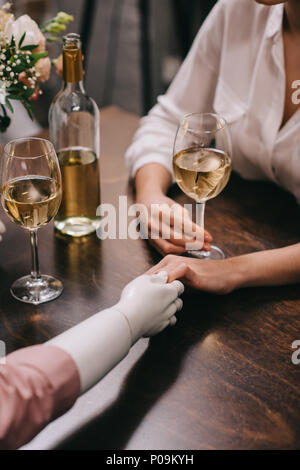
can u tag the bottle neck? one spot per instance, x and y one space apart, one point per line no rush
72 69
74 87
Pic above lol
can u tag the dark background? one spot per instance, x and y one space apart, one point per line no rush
133 48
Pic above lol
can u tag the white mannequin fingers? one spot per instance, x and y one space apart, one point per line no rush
159 329
173 321
172 290
179 304
171 310
178 286
164 320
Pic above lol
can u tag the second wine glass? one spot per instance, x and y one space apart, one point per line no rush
202 165
31 196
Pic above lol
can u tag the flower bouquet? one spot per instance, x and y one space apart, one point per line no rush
24 61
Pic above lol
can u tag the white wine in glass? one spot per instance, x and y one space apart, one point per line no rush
202 164
31 196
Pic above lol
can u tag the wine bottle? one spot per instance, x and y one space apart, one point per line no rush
74 123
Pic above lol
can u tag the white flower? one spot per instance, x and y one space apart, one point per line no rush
23 24
2 92
6 6
5 17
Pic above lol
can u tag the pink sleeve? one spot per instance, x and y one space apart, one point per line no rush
37 384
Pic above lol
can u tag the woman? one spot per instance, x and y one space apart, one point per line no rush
242 65
39 383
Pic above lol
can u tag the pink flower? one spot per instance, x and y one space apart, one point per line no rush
43 68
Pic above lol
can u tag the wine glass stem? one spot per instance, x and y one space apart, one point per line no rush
200 212
35 272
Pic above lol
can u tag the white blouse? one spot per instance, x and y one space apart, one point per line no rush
236 69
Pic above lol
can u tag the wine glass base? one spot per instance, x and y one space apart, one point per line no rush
214 254
77 226
36 291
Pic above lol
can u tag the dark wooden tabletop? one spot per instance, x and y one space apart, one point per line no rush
221 379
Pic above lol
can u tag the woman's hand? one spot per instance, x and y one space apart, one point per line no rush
218 277
149 304
182 229
2 229
59 65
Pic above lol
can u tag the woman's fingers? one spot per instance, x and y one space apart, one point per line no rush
158 267
166 232
175 266
208 236
192 228
2 227
173 223
176 272
164 247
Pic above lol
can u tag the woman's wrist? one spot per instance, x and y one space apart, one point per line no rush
249 270
152 180
238 272
148 196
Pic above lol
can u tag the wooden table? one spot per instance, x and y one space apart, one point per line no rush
221 379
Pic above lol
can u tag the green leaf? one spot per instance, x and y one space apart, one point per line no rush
15 97
12 42
29 110
9 105
30 47
38 55
54 39
29 92
14 89
22 40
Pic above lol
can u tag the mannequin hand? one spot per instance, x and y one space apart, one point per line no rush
2 229
149 304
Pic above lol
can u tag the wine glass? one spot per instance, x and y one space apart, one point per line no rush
202 166
30 179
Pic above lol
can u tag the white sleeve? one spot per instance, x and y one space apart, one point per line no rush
191 91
